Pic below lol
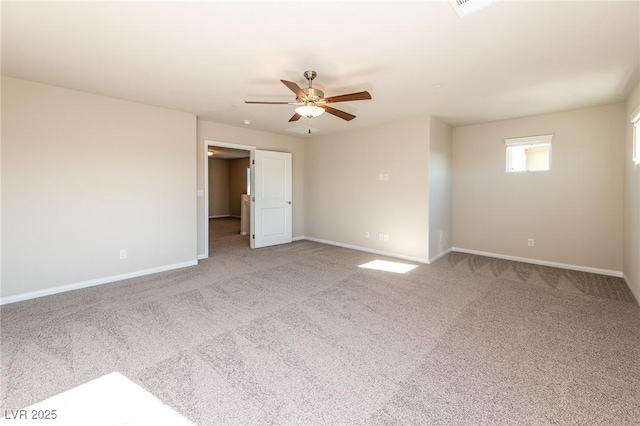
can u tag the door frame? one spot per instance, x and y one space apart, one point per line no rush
207 144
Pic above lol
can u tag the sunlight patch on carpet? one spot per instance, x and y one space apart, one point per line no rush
384 265
110 400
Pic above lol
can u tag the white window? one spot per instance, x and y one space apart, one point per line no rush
529 154
635 119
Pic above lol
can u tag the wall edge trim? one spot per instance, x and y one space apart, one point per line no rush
441 255
609 272
91 283
367 250
635 293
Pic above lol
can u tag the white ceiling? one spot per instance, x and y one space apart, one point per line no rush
512 59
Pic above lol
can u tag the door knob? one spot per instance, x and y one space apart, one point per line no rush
289 202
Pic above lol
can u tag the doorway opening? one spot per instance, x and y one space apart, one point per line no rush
270 205
228 182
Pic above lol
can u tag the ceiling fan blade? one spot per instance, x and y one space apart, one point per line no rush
295 117
338 113
267 103
294 88
358 96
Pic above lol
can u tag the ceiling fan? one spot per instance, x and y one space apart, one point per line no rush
311 101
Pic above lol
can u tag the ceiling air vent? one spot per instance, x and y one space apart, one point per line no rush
466 7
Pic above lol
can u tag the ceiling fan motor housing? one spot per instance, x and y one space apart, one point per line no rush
313 94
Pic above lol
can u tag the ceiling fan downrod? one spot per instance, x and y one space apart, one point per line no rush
312 95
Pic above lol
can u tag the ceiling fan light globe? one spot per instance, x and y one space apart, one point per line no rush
309 111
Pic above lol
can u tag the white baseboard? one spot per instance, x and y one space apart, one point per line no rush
636 293
235 216
202 256
368 250
443 254
218 216
92 283
609 272
298 238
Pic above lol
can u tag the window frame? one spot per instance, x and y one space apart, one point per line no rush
541 140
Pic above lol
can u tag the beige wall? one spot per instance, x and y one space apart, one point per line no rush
84 176
218 187
237 184
227 182
632 204
574 212
78 169
262 140
344 197
440 158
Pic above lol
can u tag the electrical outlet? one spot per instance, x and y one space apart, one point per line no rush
367 235
123 254
381 237
386 237
530 242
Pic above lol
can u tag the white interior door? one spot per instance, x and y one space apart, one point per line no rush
272 199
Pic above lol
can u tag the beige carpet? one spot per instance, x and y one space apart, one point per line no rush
225 232
299 334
